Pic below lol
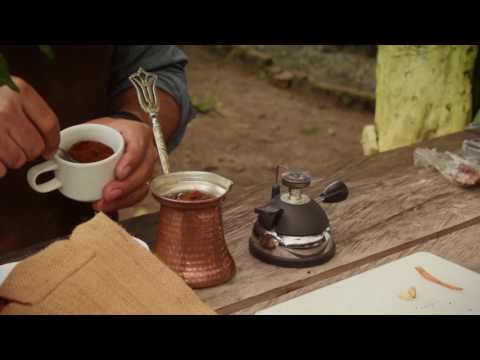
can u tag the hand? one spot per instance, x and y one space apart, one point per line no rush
135 168
28 127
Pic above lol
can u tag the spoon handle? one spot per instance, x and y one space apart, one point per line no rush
161 147
145 84
66 156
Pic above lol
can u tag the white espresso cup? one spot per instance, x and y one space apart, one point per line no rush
78 181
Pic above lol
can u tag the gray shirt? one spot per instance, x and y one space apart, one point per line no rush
168 62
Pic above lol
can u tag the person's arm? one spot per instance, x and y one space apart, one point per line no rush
135 169
168 62
169 113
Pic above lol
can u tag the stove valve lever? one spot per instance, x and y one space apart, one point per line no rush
268 216
335 192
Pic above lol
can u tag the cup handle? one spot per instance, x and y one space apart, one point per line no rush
36 171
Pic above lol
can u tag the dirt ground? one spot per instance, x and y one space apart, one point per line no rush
251 126
352 66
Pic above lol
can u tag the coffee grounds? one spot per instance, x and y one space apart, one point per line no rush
191 196
90 151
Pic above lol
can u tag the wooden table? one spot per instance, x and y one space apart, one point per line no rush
394 210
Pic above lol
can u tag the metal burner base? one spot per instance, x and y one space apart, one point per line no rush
284 258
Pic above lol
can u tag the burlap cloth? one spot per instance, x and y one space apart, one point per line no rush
101 270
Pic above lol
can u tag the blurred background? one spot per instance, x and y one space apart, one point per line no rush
263 105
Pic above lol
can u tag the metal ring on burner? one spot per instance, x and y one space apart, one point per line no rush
296 179
287 242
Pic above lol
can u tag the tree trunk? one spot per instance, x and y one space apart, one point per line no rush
423 91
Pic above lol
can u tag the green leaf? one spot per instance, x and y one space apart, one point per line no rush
205 105
476 88
5 78
47 50
476 120
310 131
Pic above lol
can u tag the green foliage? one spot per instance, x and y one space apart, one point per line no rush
476 120
47 50
309 131
205 105
5 78
476 91
346 100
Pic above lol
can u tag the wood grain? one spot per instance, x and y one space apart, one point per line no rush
462 247
384 215
388 211
393 209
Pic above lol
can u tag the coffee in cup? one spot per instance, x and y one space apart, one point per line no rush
89 151
82 181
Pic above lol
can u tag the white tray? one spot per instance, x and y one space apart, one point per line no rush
377 291
6 269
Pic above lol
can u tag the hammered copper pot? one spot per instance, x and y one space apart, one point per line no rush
190 235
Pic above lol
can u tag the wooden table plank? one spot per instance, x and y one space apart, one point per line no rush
400 158
386 190
145 227
462 247
384 215
393 208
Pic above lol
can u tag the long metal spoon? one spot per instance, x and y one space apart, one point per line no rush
66 156
145 84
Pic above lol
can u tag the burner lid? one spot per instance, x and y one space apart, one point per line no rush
296 179
299 220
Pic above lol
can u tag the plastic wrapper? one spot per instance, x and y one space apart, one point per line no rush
462 168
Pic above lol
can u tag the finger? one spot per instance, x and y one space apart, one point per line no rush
134 154
131 199
142 175
27 137
42 117
11 155
3 170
